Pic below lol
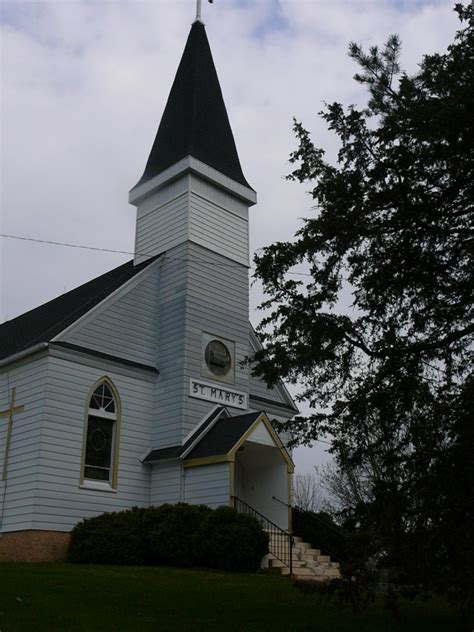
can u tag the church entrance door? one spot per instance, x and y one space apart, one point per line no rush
262 480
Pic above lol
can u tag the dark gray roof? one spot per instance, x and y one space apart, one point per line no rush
162 454
61 344
222 437
195 121
214 438
177 450
45 322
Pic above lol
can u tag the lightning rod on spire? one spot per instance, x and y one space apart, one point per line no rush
198 10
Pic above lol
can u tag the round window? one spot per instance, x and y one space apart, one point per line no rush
218 358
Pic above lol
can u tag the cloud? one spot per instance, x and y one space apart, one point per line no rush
84 85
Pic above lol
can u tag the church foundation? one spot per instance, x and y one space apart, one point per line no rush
34 546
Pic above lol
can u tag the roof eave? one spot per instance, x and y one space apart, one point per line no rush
189 164
24 353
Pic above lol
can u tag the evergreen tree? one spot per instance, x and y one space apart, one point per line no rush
390 380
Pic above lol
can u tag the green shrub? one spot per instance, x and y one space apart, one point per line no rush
230 541
170 532
111 538
175 535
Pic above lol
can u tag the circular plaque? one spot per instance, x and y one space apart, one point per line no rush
218 358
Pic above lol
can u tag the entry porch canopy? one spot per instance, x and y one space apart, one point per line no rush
247 449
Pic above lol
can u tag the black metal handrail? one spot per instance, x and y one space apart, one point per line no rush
282 502
316 518
312 516
281 540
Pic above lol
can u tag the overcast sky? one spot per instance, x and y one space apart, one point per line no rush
84 84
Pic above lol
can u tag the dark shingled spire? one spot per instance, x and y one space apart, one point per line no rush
195 121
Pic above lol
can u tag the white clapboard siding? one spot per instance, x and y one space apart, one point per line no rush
20 488
200 292
258 388
162 227
165 482
219 196
207 485
171 324
214 227
199 219
163 195
60 503
217 303
125 324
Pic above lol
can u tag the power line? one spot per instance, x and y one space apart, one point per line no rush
126 252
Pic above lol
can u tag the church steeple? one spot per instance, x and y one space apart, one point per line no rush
193 209
193 189
195 121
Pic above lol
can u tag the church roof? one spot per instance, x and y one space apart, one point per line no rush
223 436
195 121
213 437
176 451
45 322
217 436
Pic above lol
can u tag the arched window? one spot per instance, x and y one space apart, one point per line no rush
101 440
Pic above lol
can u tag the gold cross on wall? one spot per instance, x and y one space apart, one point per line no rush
12 410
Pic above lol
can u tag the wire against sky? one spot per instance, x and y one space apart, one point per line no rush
125 252
122 252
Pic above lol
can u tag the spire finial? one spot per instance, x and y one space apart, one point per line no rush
198 10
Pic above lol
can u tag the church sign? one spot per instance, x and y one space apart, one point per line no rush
223 395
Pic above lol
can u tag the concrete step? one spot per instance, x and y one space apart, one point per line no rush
300 571
306 549
279 564
308 563
308 558
331 572
323 558
323 569
274 563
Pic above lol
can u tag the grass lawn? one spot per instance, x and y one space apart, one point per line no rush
62 597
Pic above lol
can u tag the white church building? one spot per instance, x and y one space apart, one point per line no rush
132 389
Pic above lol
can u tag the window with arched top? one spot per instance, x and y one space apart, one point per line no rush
101 437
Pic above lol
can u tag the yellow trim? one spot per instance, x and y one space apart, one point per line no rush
12 410
262 418
118 419
208 460
16 409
